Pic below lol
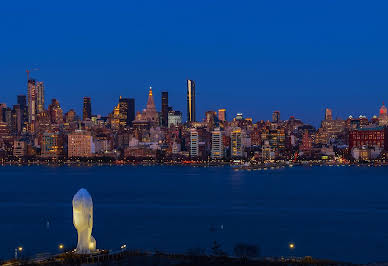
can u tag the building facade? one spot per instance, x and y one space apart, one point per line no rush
191 101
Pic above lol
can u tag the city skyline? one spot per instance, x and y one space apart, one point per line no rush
162 96
255 57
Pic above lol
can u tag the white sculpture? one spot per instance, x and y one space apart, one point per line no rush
83 221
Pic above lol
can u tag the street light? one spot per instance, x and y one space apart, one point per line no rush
61 246
291 246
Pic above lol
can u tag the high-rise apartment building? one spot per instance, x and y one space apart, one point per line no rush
276 117
194 143
40 97
217 151
87 109
164 108
190 100
222 115
236 143
32 100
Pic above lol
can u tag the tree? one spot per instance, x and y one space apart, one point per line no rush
216 249
246 251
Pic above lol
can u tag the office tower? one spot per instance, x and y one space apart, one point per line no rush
328 114
217 151
236 143
87 109
21 99
126 111
174 118
17 118
194 143
276 117
222 115
164 108
190 100
39 97
32 98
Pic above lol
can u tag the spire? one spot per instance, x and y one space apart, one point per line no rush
150 102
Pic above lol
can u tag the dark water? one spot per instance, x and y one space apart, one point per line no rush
328 212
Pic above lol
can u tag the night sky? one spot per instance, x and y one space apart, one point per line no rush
247 56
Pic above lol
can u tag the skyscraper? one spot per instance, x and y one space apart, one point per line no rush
126 111
328 114
164 108
39 97
217 151
32 99
276 117
87 109
194 143
190 100
236 143
222 115
21 99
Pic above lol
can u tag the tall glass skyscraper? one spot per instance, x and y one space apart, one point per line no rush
190 101
87 109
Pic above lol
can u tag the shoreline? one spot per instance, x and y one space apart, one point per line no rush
236 166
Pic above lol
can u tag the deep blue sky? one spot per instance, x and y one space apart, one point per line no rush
247 56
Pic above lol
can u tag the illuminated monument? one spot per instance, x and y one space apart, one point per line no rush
83 221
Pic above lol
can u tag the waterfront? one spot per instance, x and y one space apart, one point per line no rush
337 213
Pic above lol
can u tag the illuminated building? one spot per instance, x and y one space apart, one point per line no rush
276 117
194 143
51 145
55 112
70 116
306 144
40 96
190 101
32 98
126 111
80 144
115 118
330 130
239 116
328 114
210 119
19 148
149 117
222 115
368 137
383 116
236 142
165 108
87 109
174 118
217 150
